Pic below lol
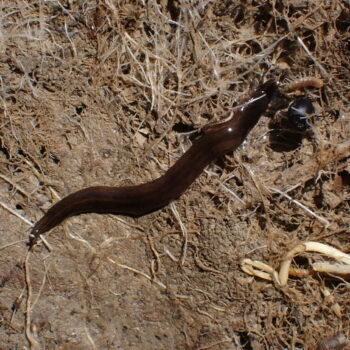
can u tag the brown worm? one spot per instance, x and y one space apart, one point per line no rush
138 200
303 83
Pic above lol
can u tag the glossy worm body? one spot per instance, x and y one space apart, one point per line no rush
303 83
138 200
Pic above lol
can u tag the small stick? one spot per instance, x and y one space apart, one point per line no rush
183 230
17 187
15 213
126 267
283 194
28 325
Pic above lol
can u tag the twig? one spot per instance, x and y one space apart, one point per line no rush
14 185
283 194
156 255
32 341
12 243
233 194
88 335
311 56
126 267
16 214
183 230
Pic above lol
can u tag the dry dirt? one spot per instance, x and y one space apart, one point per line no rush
108 92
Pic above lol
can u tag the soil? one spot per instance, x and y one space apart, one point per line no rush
110 93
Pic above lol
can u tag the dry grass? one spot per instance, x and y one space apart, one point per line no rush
101 92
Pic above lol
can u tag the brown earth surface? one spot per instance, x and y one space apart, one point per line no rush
107 93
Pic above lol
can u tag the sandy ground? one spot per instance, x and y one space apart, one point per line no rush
108 93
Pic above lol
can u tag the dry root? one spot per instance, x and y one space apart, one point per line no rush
259 269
